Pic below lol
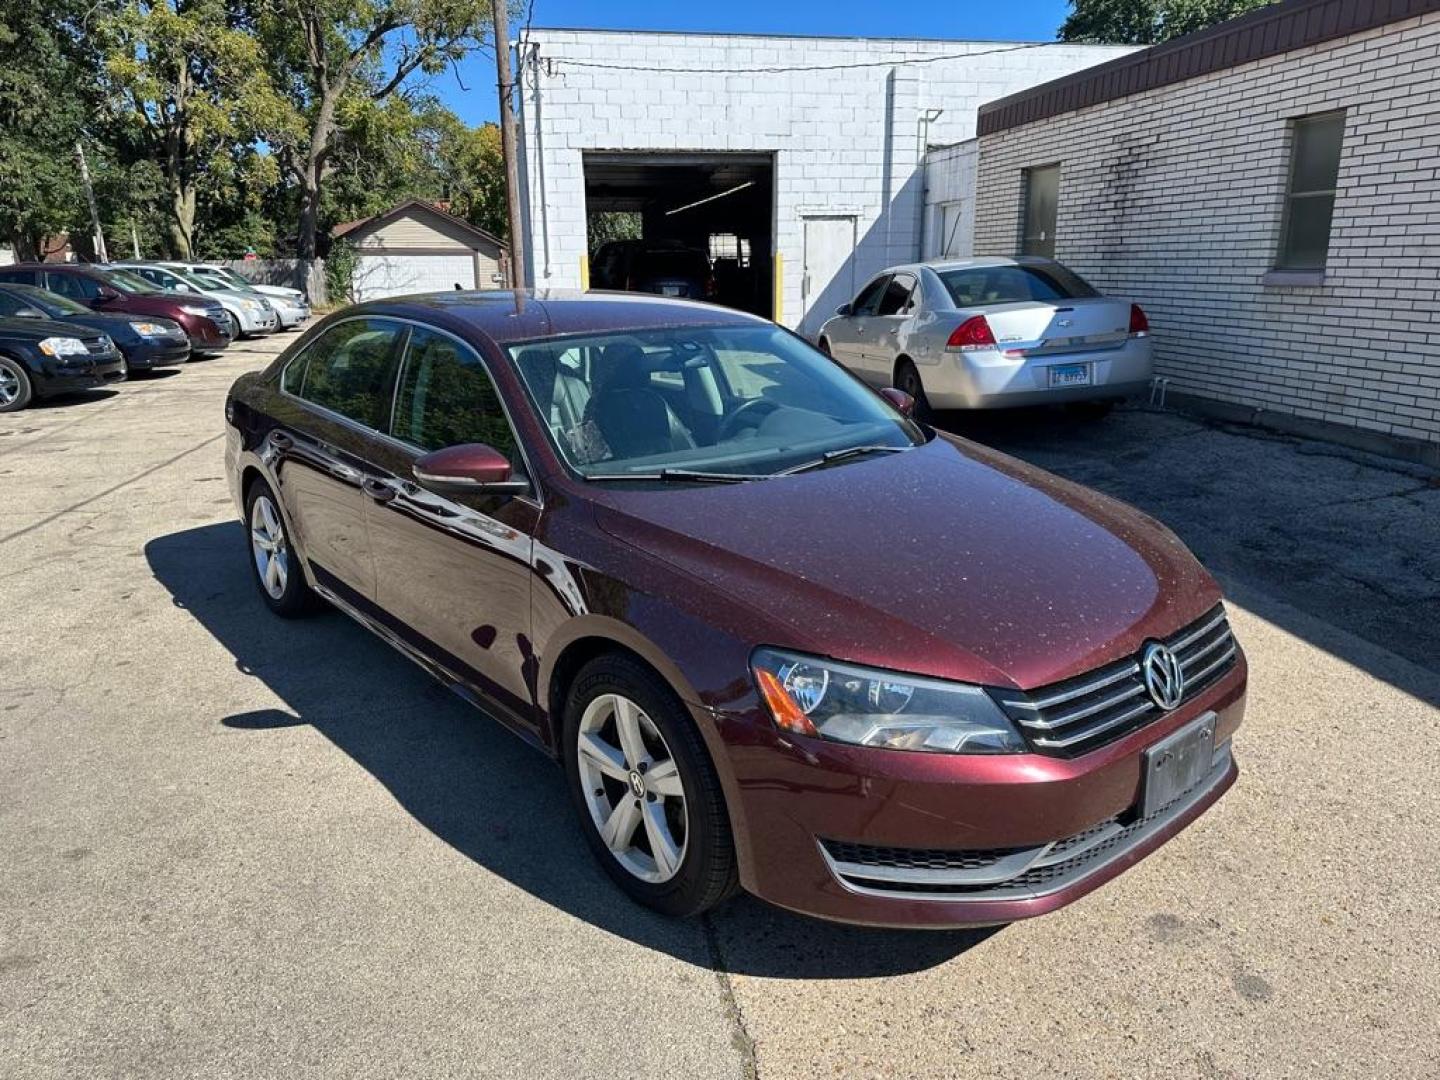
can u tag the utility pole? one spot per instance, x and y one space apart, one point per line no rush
97 236
507 141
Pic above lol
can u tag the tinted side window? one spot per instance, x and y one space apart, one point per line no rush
75 286
892 300
869 298
18 277
10 303
446 398
349 370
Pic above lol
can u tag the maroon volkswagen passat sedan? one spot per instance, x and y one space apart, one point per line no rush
780 636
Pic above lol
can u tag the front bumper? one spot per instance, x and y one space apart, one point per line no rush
291 315
800 807
157 352
256 323
206 335
64 375
989 378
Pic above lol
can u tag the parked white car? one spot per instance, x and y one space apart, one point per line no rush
250 315
290 304
991 333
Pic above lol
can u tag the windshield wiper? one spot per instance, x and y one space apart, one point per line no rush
681 476
831 456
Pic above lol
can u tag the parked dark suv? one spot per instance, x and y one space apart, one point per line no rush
204 319
146 341
41 358
780 636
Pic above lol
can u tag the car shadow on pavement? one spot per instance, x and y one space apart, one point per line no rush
483 791
74 399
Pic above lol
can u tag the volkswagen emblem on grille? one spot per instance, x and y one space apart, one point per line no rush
1164 677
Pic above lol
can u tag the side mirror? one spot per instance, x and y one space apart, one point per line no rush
843 309
29 313
467 469
104 296
903 402
180 286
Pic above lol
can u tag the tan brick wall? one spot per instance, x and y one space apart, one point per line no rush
1174 198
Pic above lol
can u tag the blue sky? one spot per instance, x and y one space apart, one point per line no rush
1006 20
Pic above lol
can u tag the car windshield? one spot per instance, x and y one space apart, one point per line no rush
671 262
982 286
210 280
225 274
128 282
730 401
49 302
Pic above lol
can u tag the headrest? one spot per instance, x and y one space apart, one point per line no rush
620 366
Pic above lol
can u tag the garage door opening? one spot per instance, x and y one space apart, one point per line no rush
697 225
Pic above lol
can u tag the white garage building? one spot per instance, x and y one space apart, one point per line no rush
419 247
798 162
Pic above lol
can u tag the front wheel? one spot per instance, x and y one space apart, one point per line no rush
15 386
646 792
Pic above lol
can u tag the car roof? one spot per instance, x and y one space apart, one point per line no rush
511 315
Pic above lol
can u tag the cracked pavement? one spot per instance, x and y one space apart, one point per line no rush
236 847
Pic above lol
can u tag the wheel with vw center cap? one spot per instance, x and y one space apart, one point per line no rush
647 794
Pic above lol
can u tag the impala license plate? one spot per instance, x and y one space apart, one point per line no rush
1177 763
1070 375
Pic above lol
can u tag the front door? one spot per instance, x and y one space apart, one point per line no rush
829 278
336 400
454 570
850 334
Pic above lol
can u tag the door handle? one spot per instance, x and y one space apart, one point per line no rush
378 490
281 441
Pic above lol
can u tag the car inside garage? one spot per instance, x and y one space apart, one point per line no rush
683 215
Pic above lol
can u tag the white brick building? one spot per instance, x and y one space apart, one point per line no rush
1178 187
815 146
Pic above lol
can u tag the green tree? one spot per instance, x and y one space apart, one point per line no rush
338 58
1147 22
189 87
43 106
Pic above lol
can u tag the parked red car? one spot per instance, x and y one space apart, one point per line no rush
203 319
781 636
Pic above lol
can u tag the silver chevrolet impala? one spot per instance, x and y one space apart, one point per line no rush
991 333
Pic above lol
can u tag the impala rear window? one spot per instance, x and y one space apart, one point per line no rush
983 286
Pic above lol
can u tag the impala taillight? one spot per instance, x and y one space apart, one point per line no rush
973 333
1139 324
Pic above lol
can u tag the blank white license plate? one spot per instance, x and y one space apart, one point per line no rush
671 290
1070 375
1177 763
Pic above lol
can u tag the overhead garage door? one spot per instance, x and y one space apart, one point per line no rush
378 276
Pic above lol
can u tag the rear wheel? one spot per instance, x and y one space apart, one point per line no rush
825 348
278 575
907 378
648 798
15 387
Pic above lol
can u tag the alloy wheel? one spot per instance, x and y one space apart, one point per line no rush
9 387
632 787
267 544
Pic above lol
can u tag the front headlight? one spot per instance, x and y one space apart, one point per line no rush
871 707
63 346
147 329
249 305
195 309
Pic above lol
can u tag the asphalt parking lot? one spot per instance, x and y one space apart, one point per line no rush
236 847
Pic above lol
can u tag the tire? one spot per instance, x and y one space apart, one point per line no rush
233 321
16 390
907 378
825 348
701 870
276 569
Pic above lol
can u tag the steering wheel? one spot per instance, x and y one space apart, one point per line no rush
731 424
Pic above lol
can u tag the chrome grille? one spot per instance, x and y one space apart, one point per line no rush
1075 716
1009 873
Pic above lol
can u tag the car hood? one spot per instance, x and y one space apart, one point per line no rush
949 560
40 329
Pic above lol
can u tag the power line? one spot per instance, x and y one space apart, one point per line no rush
796 67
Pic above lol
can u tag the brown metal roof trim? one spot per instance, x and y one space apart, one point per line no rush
1269 31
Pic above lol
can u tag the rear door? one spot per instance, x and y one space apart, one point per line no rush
454 570
881 345
335 405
